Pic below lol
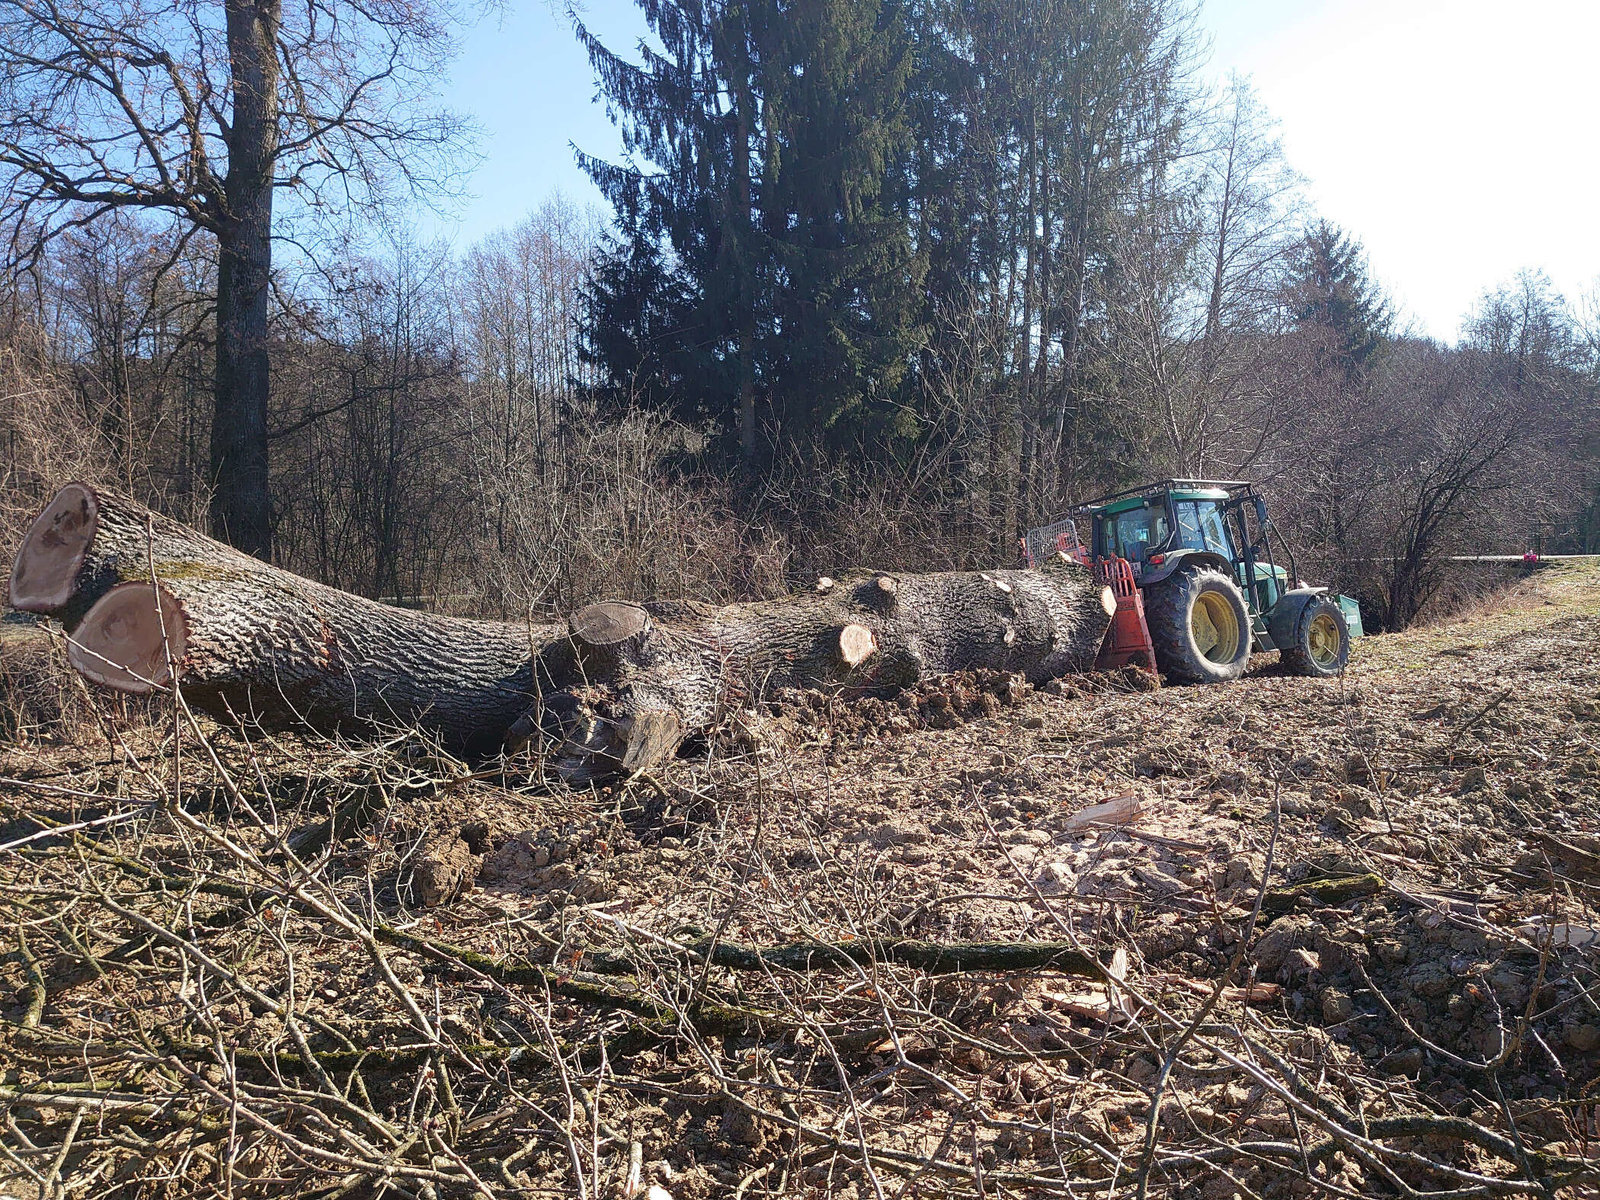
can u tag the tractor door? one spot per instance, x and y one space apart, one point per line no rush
1262 580
1261 577
1201 526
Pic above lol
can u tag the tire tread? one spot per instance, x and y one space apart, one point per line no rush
1167 610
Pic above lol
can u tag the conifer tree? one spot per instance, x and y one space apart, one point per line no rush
1332 294
846 297
766 180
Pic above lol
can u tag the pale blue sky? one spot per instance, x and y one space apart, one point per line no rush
1457 139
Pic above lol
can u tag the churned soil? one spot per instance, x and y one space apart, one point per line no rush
1341 936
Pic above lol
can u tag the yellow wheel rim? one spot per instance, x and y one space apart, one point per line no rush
1322 639
1215 627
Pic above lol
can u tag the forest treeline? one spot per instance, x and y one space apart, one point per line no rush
878 283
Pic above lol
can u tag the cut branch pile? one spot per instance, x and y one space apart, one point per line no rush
202 1007
147 601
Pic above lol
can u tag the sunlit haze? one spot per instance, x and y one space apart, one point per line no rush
1454 138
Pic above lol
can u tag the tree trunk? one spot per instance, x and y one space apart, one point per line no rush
746 298
241 510
618 688
251 642
627 699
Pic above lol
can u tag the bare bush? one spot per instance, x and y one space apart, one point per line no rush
43 435
616 515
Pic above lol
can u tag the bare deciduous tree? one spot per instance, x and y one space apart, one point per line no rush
1196 306
206 110
519 303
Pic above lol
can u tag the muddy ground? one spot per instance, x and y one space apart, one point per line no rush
1324 938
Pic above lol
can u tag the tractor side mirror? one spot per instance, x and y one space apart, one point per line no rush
1262 520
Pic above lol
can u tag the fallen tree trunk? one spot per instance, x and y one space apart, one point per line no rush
936 958
633 680
252 642
149 601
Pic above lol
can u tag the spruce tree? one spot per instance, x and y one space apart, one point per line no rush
766 187
629 303
1332 294
846 296
672 298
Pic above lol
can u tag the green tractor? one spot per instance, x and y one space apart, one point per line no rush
1198 588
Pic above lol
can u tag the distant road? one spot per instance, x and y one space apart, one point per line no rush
1516 558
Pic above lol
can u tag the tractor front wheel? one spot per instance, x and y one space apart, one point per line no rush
1319 644
1199 625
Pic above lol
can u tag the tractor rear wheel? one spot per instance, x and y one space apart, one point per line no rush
1199 625
1319 645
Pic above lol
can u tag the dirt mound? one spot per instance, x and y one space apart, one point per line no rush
944 702
940 703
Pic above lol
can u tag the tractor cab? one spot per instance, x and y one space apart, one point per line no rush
1160 527
1202 556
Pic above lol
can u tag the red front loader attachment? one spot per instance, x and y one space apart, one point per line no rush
1128 638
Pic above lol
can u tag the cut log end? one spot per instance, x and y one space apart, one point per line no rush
608 623
856 645
128 643
652 737
45 571
1108 601
600 747
882 594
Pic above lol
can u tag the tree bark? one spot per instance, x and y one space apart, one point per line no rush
628 704
617 689
249 641
241 510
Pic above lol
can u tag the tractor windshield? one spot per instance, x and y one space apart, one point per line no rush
1200 527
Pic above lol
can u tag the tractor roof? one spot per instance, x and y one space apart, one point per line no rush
1181 489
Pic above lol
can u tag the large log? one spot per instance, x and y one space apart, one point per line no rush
249 641
618 687
634 680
